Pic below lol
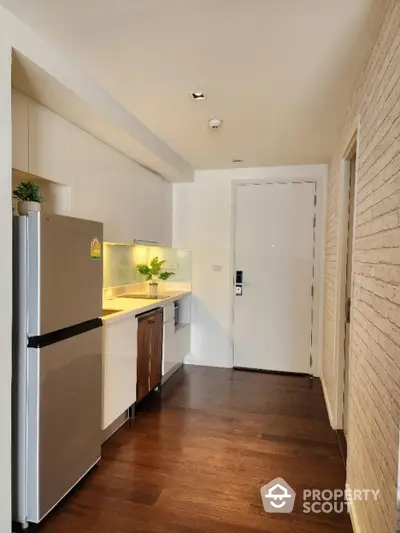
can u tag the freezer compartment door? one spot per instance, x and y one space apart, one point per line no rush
64 418
65 272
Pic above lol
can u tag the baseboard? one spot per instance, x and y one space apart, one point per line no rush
328 404
273 372
191 360
114 426
170 372
354 518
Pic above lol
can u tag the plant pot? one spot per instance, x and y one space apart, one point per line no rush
153 289
28 207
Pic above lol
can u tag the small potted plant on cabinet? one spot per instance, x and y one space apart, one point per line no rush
153 273
29 197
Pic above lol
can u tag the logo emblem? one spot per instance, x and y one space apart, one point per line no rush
95 248
278 496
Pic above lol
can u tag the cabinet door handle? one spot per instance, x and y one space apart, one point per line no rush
151 321
144 242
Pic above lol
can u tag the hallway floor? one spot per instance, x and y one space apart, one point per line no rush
195 458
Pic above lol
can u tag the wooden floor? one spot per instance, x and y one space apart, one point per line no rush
195 459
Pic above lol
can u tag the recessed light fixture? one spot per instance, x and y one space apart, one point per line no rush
198 96
237 160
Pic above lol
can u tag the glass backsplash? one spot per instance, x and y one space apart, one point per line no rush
120 262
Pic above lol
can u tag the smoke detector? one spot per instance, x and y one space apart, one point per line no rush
215 123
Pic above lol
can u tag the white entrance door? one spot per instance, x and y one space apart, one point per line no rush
274 248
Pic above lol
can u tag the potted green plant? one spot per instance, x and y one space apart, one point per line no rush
153 272
29 197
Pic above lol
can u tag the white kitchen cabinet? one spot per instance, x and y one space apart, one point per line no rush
131 202
176 345
119 367
20 121
105 185
97 193
154 211
50 153
183 330
182 342
169 358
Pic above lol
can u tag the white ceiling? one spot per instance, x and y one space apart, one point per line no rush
280 73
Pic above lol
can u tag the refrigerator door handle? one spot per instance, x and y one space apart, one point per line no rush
40 341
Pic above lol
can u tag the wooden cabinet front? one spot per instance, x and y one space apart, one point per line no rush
156 349
150 338
143 384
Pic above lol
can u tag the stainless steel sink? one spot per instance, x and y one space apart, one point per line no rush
107 312
144 297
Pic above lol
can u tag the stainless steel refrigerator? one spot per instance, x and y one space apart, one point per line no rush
57 376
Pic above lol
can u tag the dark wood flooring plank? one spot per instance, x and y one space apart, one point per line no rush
197 454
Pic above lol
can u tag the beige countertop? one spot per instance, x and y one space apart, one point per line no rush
129 307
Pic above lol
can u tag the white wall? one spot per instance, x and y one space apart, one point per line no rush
202 221
105 185
5 286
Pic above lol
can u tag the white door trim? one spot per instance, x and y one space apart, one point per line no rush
342 249
318 302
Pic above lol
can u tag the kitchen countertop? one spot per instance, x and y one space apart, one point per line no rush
132 306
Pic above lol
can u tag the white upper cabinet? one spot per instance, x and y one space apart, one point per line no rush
103 184
49 145
109 187
20 121
152 203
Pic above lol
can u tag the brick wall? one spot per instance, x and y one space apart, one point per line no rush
374 412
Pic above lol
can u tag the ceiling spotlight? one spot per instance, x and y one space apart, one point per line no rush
198 96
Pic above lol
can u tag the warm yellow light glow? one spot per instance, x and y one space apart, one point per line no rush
121 260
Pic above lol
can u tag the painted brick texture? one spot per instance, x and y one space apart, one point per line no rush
374 412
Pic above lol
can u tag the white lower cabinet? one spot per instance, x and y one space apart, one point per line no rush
182 342
168 347
176 343
119 367
120 351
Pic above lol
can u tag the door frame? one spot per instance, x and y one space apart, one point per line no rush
319 179
342 250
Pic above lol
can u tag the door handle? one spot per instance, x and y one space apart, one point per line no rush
239 283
